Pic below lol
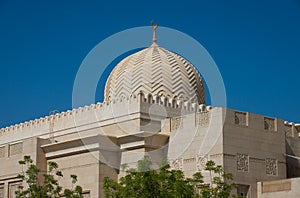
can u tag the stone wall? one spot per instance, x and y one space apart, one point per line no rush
278 189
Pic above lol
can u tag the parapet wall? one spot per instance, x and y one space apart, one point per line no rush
116 110
135 106
260 122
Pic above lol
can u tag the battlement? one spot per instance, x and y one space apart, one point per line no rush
135 106
261 122
101 111
235 119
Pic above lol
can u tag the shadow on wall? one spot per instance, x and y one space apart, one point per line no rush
293 165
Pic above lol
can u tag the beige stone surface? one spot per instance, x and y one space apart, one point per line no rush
155 71
278 189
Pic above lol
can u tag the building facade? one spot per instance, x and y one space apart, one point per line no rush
154 105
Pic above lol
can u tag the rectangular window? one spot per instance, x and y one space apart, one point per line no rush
240 118
269 124
202 119
16 148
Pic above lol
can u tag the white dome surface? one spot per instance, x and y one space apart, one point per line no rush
155 71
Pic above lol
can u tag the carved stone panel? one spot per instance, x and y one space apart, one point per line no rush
271 166
2 151
240 118
201 161
177 164
176 123
269 124
242 162
202 119
16 148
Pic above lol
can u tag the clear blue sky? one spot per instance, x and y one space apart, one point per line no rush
256 45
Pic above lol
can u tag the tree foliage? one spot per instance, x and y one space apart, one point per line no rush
143 182
49 187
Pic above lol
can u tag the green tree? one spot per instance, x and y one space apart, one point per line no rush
220 184
49 187
143 182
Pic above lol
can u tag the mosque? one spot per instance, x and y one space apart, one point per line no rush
155 104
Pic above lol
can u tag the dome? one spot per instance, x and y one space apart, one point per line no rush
155 71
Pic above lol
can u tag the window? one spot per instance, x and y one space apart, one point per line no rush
16 148
240 118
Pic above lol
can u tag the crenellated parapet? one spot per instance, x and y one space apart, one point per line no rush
173 102
136 103
291 129
261 122
140 105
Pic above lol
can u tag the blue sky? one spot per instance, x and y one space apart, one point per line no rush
256 45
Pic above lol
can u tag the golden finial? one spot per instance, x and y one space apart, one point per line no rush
154 27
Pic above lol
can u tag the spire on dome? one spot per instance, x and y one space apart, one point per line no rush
154 27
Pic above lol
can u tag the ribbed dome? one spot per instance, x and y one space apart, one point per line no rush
157 71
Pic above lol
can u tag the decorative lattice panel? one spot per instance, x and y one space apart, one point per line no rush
240 118
15 149
271 166
269 124
177 164
201 161
202 119
242 162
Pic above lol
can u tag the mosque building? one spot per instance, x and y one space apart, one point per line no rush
155 104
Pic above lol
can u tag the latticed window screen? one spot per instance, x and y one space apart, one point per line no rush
16 148
240 118
271 166
242 162
202 119
269 124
